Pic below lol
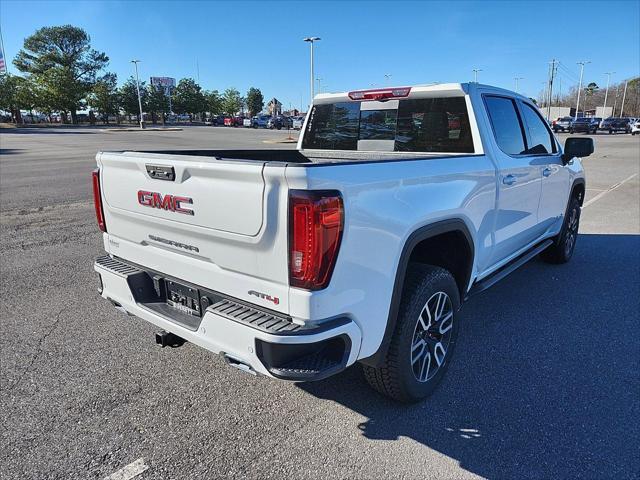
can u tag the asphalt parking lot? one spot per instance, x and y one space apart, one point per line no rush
545 383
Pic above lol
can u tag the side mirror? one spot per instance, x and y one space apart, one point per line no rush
577 147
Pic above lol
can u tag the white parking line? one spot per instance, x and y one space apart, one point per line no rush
613 187
132 470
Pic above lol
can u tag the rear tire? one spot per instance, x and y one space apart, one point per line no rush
424 338
564 243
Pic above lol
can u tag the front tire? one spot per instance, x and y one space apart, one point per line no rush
424 338
564 243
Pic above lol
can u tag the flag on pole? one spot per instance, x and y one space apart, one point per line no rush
3 65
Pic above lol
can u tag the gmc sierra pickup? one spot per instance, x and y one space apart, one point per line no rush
361 245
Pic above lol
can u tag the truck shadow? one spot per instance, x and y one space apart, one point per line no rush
545 380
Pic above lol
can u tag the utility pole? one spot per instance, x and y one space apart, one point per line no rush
311 40
475 74
624 95
552 72
387 76
517 79
606 93
135 62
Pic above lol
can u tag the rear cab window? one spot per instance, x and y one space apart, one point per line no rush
438 125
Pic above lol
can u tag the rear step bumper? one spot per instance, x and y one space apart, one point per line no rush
250 338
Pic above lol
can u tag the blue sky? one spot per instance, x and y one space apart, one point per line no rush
243 44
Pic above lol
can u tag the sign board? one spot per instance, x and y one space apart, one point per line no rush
166 82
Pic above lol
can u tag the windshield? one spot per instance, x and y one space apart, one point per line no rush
410 125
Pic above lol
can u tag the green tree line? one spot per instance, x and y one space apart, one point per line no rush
61 73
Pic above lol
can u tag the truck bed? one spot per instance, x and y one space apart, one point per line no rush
307 157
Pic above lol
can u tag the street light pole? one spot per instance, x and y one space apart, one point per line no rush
606 92
135 62
475 74
387 76
311 40
319 80
582 64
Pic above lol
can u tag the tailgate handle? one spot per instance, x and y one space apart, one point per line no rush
161 172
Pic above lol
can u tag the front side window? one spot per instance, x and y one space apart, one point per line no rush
416 125
540 139
507 128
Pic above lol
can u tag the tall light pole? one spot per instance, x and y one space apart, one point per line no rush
624 95
606 92
517 79
311 40
387 76
135 62
319 80
582 64
475 74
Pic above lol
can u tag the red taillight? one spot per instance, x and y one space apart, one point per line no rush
97 200
316 218
380 93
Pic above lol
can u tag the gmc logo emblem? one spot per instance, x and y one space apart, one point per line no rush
164 202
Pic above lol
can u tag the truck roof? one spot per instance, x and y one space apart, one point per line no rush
418 91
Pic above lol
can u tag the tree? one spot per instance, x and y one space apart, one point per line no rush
61 61
157 102
255 101
187 97
104 97
231 101
214 102
9 96
128 97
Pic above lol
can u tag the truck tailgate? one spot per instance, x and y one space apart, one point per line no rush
224 196
214 224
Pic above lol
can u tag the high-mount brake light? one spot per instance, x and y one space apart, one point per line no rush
97 200
316 219
380 93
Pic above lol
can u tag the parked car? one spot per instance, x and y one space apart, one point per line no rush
562 124
307 270
613 124
635 127
585 125
260 121
297 123
279 122
235 121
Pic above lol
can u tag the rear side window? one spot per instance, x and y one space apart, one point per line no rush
507 128
417 125
434 125
540 139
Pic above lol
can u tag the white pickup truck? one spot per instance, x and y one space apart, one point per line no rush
361 245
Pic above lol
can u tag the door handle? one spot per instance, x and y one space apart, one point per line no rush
546 172
509 179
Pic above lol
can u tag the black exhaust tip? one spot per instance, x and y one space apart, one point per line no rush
168 339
